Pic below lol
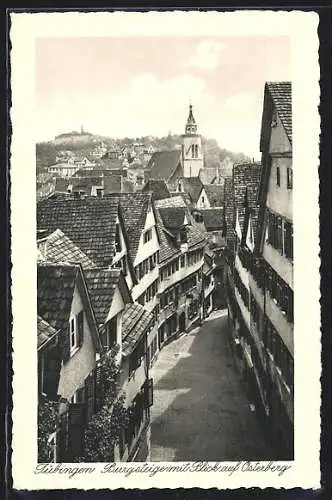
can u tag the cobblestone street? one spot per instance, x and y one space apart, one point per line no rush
201 409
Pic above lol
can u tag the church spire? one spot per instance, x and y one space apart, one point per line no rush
191 126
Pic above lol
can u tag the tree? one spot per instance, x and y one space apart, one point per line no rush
108 424
47 418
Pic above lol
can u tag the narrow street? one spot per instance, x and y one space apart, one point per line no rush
201 408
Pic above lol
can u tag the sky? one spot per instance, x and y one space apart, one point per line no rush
137 86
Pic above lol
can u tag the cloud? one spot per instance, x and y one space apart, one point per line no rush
207 55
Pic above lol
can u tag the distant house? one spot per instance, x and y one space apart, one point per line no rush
167 166
64 305
212 196
88 185
63 169
193 187
158 188
180 263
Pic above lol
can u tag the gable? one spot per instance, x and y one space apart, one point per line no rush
279 142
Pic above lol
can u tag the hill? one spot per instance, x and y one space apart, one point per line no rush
214 155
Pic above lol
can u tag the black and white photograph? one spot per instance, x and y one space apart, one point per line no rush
163 252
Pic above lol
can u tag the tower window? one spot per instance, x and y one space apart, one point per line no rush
196 151
193 151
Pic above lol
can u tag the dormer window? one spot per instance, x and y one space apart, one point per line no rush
147 235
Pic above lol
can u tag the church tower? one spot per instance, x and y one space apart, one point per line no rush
192 153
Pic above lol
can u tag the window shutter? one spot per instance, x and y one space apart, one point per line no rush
149 393
65 345
76 427
80 327
52 367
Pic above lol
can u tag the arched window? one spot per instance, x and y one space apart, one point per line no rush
196 151
193 151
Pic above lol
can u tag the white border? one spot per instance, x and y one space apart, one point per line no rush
302 29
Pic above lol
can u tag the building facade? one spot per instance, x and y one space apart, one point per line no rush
260 270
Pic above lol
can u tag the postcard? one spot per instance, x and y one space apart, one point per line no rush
165 249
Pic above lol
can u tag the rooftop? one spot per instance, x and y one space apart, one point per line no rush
135 322
192 186
158 187
215 194
55 290
163 164
90 223
101 284
57 247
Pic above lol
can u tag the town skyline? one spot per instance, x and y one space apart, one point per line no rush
111 99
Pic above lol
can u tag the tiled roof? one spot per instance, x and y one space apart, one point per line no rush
207 175
57 247
215 194
113 183
173 217
167 250
134 210
55 290
158 187
281 93
44 332
196 237
229 215
213 218
98 172
246 183
101 284
77 183
174 201
135 322
61 185
90 223
192 186
162 164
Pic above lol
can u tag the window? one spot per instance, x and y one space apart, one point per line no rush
182 260
193 151
288 239
76 329
99 193
147 235
278 176
289 178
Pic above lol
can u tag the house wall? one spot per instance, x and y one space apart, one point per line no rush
132 385
179 275
77 368
145 250
203 201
